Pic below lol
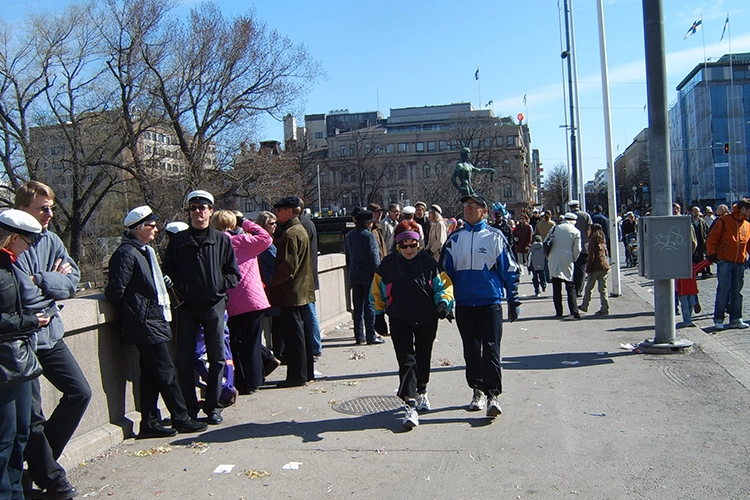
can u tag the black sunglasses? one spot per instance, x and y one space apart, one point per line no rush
196 208
405 245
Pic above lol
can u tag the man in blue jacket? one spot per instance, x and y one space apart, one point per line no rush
479 261
45 274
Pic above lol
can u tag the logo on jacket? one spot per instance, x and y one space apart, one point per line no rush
482 250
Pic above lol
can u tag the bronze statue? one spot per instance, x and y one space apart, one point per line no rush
464 172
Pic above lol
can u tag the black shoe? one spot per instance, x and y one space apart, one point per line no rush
375 341
576 316
360 342
63 490
214 417
290 383
155 431
189 426
270 366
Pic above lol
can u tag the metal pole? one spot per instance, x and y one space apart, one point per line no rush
574 180
581 195
320 206
612 196
661 177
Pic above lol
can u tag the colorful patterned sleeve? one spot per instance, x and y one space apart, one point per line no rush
442 288
378 294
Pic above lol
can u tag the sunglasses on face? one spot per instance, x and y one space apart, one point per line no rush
198 208
473 205
408 245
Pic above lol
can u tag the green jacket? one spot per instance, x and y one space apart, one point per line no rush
292 283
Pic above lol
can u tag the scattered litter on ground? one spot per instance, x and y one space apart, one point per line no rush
444 362
345 326
332 402
317 373
347 382
199 447
358 355
95 493
628 346
101 456
428 478
601 353
524 329
571 363
156 450
255 474
291 466
381 451
224 468
317 390
302 408
471 457
598 414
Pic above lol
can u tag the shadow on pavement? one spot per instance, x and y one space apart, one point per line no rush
562 360
313 431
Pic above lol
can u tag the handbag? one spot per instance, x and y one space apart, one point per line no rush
18 363
547 245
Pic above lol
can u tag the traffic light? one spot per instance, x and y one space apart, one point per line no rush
726 148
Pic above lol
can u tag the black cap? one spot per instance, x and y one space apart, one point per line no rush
288 202
364 216
474 197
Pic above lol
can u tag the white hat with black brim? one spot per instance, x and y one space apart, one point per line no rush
20 222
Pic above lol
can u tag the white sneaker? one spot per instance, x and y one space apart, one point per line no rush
739 324
423 404
411 419
478 401
493 409
719 325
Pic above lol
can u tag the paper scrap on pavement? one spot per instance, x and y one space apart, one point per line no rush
571 363
291 466
223 469
629 347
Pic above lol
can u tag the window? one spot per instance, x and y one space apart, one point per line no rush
393 195
389 148
318 135
488 142
402 147
430 146
343 151
438 169
475 143
344 176
508 191
443 145
402 172
426 170
389 173
511 140
323 177
419 147
455 145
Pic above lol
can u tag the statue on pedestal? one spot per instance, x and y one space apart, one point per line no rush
464 171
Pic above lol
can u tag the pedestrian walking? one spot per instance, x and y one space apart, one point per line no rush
411 289
597 270
478 260
582 223
537 265
566 247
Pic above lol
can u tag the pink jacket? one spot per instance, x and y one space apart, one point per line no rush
249 295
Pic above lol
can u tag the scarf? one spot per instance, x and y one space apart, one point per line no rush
162 296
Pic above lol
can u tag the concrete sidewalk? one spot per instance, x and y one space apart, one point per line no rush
582 418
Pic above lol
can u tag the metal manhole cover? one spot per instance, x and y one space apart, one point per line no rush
367 405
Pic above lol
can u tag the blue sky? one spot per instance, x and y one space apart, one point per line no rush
392 54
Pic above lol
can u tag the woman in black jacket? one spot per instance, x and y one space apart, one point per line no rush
18 231
409 286
137 288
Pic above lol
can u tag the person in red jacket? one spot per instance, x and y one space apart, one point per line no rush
727 245
523 234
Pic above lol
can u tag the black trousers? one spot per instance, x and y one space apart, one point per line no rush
297 348
188 321
570 290
48 438
579 272
481 330
245 334
158 377
413 346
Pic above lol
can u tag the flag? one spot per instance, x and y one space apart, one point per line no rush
489 103
695 27
524 99
726 25
476 74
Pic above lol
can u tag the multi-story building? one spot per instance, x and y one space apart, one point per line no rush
709 133
411 154
633 175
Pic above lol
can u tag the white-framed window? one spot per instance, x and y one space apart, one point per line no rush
508 191
431 146
402 147
426 170
511 140
318 135
419 147
402 172
389 148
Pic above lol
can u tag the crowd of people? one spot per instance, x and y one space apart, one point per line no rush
229 288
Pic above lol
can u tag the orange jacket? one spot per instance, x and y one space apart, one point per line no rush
729 238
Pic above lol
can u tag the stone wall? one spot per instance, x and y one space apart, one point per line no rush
92 334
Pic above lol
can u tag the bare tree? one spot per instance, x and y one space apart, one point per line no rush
556 188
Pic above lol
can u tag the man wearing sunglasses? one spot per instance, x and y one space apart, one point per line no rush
46 273
202 265
480 263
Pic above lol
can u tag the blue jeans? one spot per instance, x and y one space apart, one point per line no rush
15 416
687 304
364 314
730 277
310 315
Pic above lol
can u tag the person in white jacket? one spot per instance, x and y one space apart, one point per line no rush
566 247
438 232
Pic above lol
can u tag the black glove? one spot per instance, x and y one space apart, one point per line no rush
514 310
713 257
442 310
168 281
240 220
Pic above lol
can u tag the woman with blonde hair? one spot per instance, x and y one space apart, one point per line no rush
438 232
247 301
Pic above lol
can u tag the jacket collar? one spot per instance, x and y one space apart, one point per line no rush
475 227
